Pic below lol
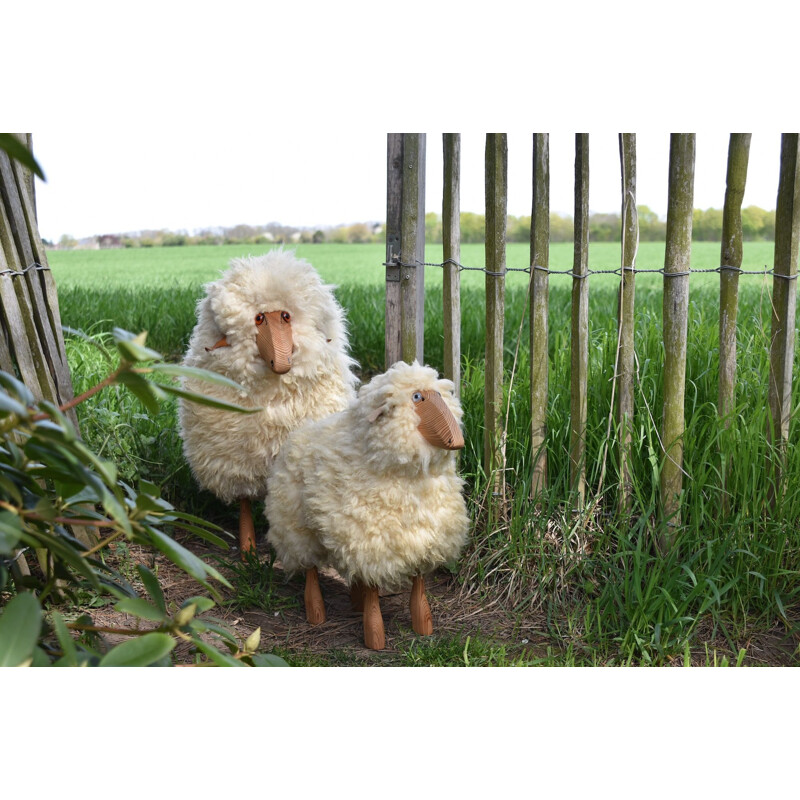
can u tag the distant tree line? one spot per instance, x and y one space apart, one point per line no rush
272 233
757 225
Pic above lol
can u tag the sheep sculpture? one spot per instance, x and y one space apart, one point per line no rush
271 325
373 491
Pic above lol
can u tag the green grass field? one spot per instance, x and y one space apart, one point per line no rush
606 592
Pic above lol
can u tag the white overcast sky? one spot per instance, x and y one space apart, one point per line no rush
183 179
186 115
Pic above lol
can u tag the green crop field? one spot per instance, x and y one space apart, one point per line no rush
609 595
362 264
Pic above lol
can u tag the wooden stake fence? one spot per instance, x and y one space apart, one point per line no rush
405 254
784 299
580 322
625 319
32 343
451 240
675 319
405 247
496 216
539 285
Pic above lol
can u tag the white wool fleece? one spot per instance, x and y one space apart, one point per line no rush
230 453
364 492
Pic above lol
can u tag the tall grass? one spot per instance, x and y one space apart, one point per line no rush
599 579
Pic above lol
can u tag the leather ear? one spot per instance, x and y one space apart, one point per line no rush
376 413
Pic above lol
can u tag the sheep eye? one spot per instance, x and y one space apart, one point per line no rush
259 319
417 397
286 316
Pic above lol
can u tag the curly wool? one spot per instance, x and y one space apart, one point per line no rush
364 492
230 453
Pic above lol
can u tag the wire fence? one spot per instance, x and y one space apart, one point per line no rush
766 272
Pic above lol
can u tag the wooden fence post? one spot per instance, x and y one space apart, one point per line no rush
675 320
405 247
730 264
784 300
451 238
625 315
28 292
540 264
496 216
579 342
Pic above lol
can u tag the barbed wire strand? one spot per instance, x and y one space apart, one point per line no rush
31 267
605 271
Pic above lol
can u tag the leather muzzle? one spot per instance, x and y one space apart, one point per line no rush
274 341
437 424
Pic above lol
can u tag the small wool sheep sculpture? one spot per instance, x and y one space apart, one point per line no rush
271 325
373 491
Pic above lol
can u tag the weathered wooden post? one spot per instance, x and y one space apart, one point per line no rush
496 219
451 239
405 247
729 266
625 315
784 302
28 294
675 320
540 265
579 343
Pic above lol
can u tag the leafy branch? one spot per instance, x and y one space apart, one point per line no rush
51 484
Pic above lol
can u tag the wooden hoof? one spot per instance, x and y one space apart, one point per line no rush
247 531
374 636
357 596
421 618
315 607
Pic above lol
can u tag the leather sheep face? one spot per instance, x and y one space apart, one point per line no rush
437 424
414 410
273 335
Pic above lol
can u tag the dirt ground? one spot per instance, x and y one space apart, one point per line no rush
456 615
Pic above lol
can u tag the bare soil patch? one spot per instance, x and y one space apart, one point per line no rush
457 615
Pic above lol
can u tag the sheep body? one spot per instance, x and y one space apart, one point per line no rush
230 454
364 492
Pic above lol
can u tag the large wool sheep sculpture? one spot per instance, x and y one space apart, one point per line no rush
374 492
270 324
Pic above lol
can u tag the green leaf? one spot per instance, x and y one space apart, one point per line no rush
181 371
152 504
140 608
19 152
152 587
14 386
10 531
203 603
186 560
147 393
267 660
11 406
132 347
139 652
205 400
11 490
217 656
70 657
205 535
20 626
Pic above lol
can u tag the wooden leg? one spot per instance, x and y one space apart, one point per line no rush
247 531
421 619
374 637
315 607
357 596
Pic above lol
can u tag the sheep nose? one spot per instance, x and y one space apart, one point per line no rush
274 341
437 424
